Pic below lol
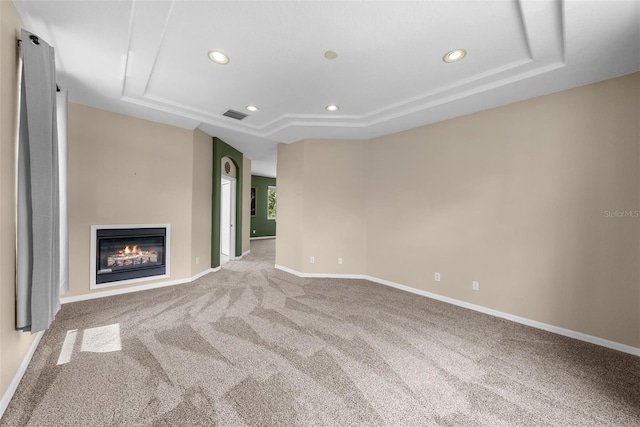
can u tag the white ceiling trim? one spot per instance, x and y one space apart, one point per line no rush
127 62
537 23
461 89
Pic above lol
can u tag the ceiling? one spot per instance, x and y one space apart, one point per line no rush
148 59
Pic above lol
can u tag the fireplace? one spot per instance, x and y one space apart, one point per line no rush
128 254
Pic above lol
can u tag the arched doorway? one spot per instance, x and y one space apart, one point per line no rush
228 196
227 170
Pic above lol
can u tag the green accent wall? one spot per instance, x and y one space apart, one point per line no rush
262 226
220 150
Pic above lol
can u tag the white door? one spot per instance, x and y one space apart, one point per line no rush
227 219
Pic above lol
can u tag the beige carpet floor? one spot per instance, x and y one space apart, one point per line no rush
251 345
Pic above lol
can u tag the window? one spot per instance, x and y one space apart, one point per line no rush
271 203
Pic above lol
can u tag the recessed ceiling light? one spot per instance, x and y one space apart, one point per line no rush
332 107
455 55
252 108
218 57
330 54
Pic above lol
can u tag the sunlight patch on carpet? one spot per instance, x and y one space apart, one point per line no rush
67 347
103 339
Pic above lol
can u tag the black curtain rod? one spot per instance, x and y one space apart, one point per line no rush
34 40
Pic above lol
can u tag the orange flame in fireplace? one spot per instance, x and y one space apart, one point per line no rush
135 250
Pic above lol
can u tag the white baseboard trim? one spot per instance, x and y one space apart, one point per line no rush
321 275
244 254
517 319
522 320
204 273
8 395
121 291
262 238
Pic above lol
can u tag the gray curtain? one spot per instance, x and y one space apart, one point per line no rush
38 234
61 109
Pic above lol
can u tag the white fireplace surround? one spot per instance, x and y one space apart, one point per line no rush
94 242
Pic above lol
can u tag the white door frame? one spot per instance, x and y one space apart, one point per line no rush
224 257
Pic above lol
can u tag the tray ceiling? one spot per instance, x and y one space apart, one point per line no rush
149 59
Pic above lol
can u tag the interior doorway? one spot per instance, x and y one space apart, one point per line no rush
227 219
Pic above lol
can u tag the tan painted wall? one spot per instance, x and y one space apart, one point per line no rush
13 344
201 202
290 172
246 205
322 189
124 170
515 197
335 188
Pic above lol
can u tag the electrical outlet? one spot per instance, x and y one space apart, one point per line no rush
254 231
312 260
340 261
476 285
436 277
197 260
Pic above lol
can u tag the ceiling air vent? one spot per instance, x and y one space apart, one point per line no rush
235 114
